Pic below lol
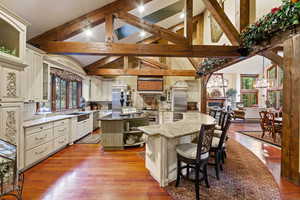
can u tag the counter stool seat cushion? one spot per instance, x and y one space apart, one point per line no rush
189 150
218 127
215 142
218 133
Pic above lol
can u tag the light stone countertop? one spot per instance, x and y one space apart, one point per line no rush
190 124
48 119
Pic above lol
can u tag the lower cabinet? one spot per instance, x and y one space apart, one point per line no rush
10 126
43 140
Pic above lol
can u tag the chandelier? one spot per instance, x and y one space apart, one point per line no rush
217 81
262 83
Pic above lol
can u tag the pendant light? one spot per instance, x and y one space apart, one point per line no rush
262 83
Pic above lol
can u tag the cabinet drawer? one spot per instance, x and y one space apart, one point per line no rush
60 131
38 138
61 123
60 142
35 129
38 153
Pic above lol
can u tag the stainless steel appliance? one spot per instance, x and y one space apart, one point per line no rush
96 116
116 97
179 97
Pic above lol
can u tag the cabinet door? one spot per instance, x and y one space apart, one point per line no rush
10 123
10 88
38 77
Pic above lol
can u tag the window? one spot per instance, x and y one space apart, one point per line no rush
275 98
274 94
73 94
60 94
248 82
65 92
249 94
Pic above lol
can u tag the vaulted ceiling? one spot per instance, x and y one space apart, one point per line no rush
45 15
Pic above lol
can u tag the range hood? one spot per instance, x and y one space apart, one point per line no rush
150 85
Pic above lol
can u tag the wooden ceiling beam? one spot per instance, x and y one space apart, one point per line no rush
119 49
220 16
188 21
102 62
142 72
153 63
90 20
109 28
152 39
151 28
274 57
243 14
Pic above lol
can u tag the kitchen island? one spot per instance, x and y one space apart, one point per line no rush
119 131
161 140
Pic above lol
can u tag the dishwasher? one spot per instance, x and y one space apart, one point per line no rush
96 116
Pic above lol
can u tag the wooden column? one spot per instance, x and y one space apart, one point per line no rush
204 81
126 63
291 111
109 28
188 21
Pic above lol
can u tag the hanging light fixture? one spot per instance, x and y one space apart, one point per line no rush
262 83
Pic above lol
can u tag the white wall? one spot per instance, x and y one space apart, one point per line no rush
264 6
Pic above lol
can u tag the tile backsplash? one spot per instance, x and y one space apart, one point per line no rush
29 112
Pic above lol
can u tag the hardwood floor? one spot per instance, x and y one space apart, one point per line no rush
85 172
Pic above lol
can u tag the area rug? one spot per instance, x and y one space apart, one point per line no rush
90 139
244 177
267 138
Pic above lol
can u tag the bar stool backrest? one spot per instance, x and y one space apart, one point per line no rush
205 139
226 124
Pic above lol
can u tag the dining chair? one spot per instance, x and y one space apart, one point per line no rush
218 147
273 127
263 122
195 156
213 112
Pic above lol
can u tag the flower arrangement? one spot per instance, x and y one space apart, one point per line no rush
280 19
211 63
285 17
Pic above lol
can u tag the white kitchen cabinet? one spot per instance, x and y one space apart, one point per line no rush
10 125
10 84
95 89
107 90
33 87
86 89
42 140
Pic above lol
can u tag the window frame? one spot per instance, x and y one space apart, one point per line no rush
68 94
248 91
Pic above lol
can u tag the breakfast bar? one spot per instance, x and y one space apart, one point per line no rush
162 139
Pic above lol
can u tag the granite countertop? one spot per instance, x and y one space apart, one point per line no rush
48 119
190 124
117 116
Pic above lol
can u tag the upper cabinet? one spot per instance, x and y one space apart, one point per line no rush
33 76
12 55
12 37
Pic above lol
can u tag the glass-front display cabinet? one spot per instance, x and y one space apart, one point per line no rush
12 36
12 55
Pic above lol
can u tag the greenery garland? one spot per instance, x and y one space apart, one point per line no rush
280 19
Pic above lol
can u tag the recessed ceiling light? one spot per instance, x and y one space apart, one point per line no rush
88 32
182 15
142 34
141 8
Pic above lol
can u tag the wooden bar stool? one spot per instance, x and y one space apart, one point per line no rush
195 156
